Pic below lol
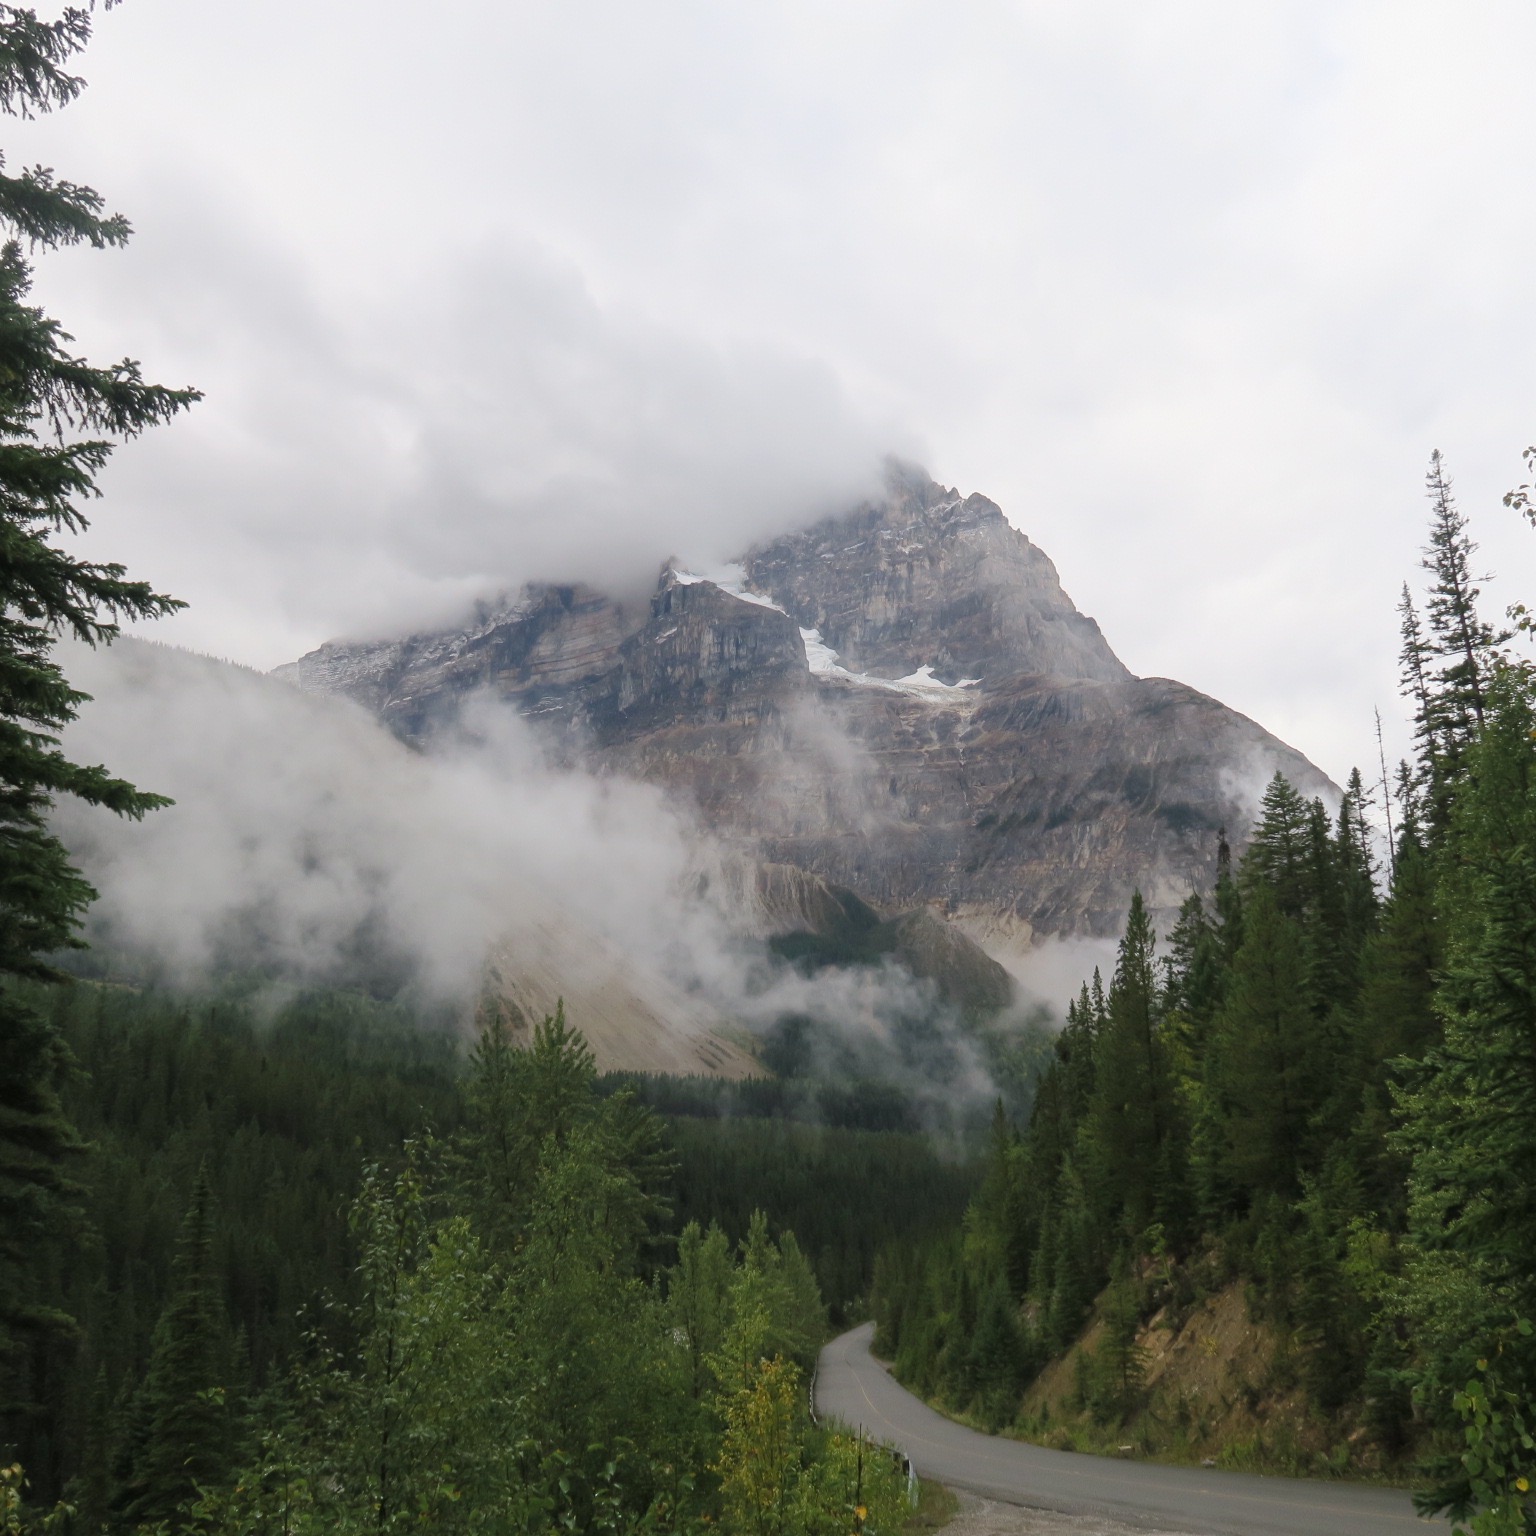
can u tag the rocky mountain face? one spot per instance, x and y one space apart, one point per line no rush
931 579
901 701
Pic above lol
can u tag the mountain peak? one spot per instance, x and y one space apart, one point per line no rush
930 578
901 700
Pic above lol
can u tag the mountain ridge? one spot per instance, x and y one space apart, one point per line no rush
902 701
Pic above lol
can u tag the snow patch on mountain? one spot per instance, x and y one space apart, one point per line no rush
732 580
824 663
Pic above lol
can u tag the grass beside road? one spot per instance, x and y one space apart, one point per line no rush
936 1507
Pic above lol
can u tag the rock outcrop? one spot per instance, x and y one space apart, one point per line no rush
633 1018
817 923
902 702
933 579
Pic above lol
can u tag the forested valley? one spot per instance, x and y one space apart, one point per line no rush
306 1236
281 1261
1317 1100
276 1261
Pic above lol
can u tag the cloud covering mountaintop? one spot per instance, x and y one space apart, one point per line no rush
1192 292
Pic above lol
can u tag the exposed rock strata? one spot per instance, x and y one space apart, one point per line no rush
931 578
902 701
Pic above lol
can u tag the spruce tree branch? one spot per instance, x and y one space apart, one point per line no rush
49 213
32 57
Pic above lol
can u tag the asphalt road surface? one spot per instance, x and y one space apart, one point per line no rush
854 1388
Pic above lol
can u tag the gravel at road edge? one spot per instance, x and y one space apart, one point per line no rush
990 1517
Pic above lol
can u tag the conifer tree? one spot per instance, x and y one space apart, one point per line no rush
698 1295
1394 1018
1356 871
48 470
1447 661
1282 851
184 1437
1414 683
524 1107
1076 1048
1398 964
1194 974
1097 1004
1266 1072
1122 1360
997 1355
1132 1120
1334 1318
494 1156
1074 1269
1469 1111
1329 948
1466 645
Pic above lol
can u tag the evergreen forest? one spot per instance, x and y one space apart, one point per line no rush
274 1263
214 1249
1320 1088
297 1264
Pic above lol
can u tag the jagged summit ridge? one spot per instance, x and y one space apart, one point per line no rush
930 578
902 700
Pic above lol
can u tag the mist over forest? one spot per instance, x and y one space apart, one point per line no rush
571 907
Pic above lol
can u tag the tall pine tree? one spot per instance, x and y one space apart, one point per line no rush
59 417
1469 1111
1447 662
1466 645
1266 1072
182 1440
1133 1118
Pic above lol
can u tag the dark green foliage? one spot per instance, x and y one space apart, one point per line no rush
523 1107
1469 1110
998 1355
1266 1069
48 396
1464 644
1333 1317
1399 961
282 1110
39 1150
1282 856
1206 1098
698 1296
278 1113
1120 1366
532 1382
851 1104
1358 1080
845 1194
1449 661
1195 977
1132 1134
182 1437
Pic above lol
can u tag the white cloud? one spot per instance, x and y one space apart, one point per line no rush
308 841
1191 290
300 823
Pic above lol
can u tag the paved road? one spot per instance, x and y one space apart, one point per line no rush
853 1387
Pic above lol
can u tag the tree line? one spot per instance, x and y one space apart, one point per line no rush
502 1361
1324 1083
266 1123
310 1271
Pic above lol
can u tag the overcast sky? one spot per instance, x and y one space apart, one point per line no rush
480 290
